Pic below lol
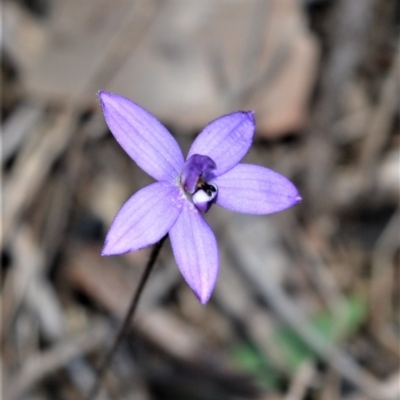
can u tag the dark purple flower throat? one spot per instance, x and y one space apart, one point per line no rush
196 174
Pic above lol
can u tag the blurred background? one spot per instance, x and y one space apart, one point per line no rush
307 301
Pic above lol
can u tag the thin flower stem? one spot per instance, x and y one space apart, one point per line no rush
127 320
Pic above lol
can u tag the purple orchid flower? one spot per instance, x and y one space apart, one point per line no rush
186 189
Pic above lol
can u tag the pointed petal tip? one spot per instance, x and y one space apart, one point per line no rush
107 250
294 199
202 295
251 116
106 98
203 292
204 298
101 94
104 253
298 199
111 250
204 301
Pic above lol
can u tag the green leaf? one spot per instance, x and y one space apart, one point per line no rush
332 326
249 359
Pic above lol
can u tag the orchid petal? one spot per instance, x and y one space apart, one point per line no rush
252 189
142 136
144 219
196 252
226 140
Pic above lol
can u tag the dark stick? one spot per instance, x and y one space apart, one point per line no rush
127 321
